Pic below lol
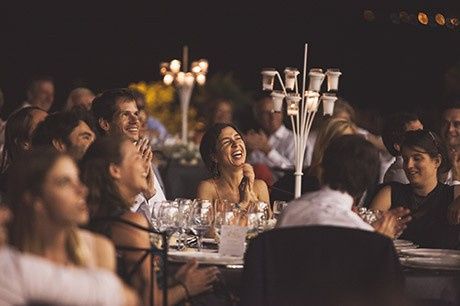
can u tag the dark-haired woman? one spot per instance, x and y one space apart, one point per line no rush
424 157
224 153
115 173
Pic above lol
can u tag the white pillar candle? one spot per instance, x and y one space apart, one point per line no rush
333 79
290 76
278 97
293 104
268 78
312 101
316 77
328 103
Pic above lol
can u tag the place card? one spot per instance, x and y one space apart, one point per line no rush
232 240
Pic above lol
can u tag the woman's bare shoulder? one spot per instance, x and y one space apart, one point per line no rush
206 190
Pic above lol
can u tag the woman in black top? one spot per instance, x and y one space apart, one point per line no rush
425 156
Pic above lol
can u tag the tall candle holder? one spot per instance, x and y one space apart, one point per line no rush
302 107
184 81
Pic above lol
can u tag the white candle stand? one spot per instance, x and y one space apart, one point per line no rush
302 108
184 82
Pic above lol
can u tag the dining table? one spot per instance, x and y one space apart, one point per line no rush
423 285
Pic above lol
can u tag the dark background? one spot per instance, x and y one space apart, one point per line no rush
104 44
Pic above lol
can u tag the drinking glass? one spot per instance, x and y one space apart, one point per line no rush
185 208
278 207
224 214
201 219
258 215
168 218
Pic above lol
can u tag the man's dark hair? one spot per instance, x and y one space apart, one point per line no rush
59 126
394 130
428 142
105 104
350 164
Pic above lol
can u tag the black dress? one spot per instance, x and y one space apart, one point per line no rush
429 227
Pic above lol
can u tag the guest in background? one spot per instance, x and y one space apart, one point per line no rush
18 133
273 145
392 135
48 202
80 97
224 154
2 123
349 164
220 111
66 132
450 132
311 180
115 173
424 157
40 93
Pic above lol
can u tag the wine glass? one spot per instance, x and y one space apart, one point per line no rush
278 207
168 218
258 215
201 219
224 214
185 208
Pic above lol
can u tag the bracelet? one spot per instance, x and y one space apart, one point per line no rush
187 294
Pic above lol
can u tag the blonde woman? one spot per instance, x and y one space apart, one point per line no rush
330 130
48 202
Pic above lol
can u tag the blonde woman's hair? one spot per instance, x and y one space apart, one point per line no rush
330 130
25 183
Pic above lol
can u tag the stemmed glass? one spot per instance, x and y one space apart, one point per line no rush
224 214
258 215
278 207
185 209
168 220
201 219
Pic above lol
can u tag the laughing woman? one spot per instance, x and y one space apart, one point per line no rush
224 153
49 202
424 157
115 173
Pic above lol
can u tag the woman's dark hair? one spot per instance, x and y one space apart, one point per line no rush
104 198
428 142
208 146
17 133
350 164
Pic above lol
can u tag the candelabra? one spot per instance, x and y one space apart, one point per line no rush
302 108
184 82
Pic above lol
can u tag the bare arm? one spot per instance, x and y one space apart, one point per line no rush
382 201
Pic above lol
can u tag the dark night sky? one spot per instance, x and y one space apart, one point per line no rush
383 64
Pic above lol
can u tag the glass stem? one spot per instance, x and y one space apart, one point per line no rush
199 242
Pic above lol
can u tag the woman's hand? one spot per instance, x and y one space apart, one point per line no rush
196 280
248 194
393 222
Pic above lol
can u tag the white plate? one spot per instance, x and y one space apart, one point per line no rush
431 263
205 257
209 240
434 253
400 242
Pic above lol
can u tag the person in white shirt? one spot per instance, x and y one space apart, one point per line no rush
392 136
349 164
274 144
26 279
116 112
